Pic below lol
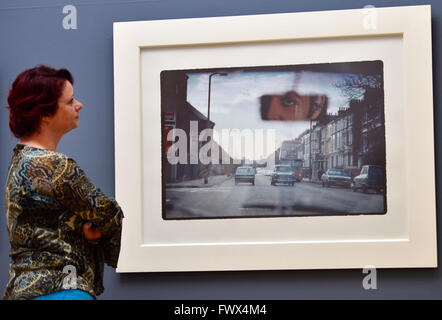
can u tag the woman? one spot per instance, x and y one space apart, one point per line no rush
62 229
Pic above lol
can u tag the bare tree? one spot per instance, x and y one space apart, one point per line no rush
354 86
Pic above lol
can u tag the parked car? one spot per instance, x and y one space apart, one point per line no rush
371 177
245 174
282 174
336 177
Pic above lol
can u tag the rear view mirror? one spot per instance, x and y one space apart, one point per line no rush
292 106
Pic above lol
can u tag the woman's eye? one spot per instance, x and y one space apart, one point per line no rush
289 101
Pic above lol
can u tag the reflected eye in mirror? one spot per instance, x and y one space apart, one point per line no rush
287 100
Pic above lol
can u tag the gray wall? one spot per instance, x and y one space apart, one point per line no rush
31 33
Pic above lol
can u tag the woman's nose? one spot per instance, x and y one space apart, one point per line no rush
79 105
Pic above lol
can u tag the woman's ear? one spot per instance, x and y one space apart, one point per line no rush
44 120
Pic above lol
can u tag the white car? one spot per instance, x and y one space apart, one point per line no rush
283 174
245 174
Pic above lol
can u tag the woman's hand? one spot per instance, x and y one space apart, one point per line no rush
90 233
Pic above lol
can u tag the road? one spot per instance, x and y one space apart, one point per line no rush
262 199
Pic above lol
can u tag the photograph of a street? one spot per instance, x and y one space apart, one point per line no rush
225 199
300 140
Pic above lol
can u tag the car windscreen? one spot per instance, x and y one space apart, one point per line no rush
244 171
337 173
283 169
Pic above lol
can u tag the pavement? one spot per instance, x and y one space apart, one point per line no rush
199 183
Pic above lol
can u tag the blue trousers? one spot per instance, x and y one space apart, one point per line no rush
70 294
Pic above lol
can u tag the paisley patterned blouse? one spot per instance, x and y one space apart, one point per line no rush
48 199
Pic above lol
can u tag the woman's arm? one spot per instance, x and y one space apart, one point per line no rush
75 191
66 182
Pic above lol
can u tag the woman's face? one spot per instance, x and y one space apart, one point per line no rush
67 115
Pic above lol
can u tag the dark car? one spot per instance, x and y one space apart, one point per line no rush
336 177
245 174
371 177
283 174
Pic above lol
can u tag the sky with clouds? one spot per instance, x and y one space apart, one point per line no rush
234 102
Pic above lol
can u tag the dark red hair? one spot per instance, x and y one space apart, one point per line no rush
34 94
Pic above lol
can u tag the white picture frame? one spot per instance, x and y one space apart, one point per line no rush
405 237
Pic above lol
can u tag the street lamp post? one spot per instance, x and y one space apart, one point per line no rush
223 74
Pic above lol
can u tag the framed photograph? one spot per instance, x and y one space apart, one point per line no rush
280 141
